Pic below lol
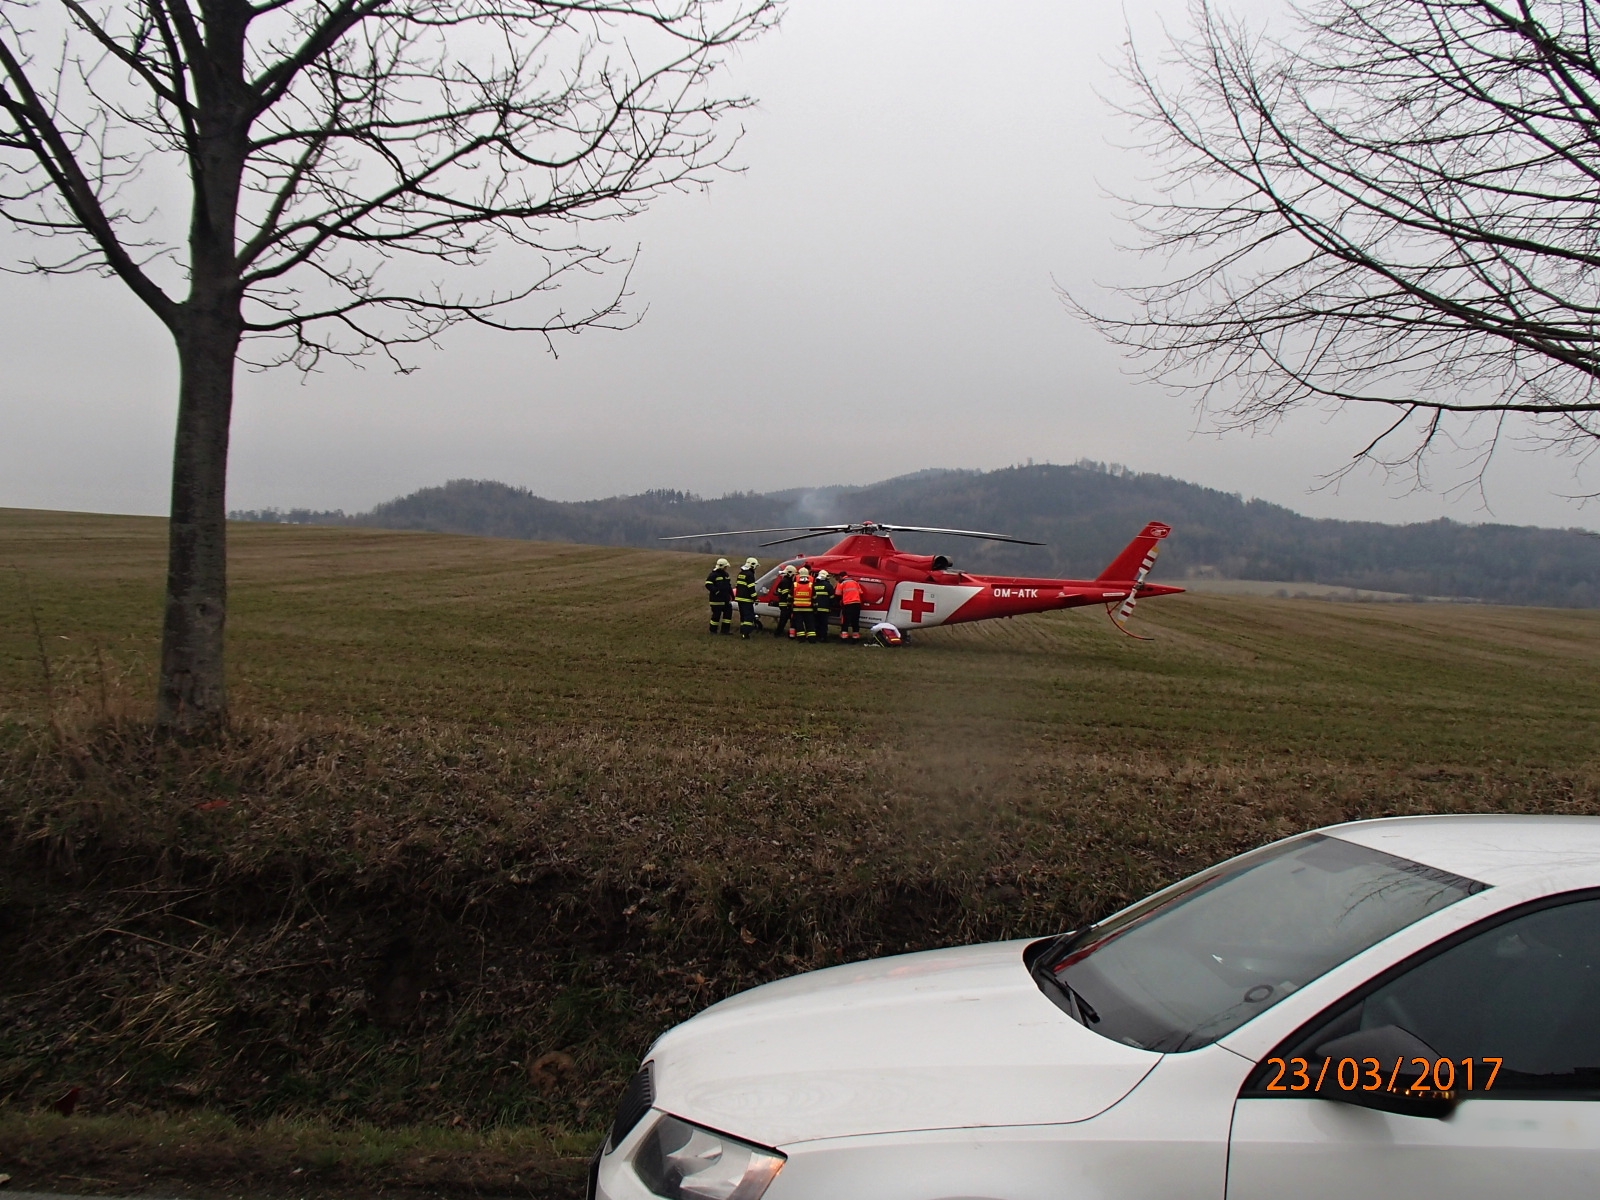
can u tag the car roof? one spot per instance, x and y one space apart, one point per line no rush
1500 849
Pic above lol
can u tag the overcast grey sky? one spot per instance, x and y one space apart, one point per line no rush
873 295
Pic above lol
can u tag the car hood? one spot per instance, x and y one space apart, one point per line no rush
945 1039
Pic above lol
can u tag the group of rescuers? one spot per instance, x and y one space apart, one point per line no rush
805 603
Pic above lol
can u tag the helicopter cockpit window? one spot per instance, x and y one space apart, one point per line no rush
764 584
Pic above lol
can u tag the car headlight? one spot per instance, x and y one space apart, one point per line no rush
680 1161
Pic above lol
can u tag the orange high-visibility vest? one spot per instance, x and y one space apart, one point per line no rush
802 593
849 592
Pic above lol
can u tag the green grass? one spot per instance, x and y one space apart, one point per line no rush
377 627
489 801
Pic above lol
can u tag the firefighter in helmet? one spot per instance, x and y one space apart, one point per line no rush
785 601
744 595
719 587
803 628
822 603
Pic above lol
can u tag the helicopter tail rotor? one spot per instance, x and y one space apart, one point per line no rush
1120 613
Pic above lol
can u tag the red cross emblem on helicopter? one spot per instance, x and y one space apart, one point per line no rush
917 606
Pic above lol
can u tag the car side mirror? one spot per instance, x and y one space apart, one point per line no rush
1390 1069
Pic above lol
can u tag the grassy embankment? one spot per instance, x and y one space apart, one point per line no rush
494 813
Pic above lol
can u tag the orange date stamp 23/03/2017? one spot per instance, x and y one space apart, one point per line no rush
1427 1076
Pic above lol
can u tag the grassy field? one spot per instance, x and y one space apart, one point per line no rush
495 813
373 628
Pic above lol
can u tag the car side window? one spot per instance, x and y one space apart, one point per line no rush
1526 992
1518 1003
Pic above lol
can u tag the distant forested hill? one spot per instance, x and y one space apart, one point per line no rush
1086 513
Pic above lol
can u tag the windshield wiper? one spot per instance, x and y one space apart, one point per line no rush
1065 996
1089 1016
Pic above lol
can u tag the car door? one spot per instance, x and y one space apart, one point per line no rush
1471 1071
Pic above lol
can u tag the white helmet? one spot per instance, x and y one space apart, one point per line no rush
823 574
751 563
722 562
788 568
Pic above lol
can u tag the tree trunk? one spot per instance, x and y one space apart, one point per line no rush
192 696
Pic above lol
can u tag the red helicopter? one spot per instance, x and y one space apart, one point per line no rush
919 591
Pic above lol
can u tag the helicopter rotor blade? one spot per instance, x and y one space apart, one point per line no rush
815 529
971 533
804 536
809 531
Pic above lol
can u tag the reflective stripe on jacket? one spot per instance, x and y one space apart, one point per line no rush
824 595
802 593
849 593
744 588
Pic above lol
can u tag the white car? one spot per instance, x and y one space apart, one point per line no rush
1405 1007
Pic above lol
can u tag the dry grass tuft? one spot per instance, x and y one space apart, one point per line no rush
128 1151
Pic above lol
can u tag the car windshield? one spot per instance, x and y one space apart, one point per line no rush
1194 962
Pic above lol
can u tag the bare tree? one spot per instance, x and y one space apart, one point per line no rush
1397 204
346 165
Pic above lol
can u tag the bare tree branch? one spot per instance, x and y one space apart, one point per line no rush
1394 205
35 132
352 167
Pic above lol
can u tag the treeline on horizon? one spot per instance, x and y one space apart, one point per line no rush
1085 513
